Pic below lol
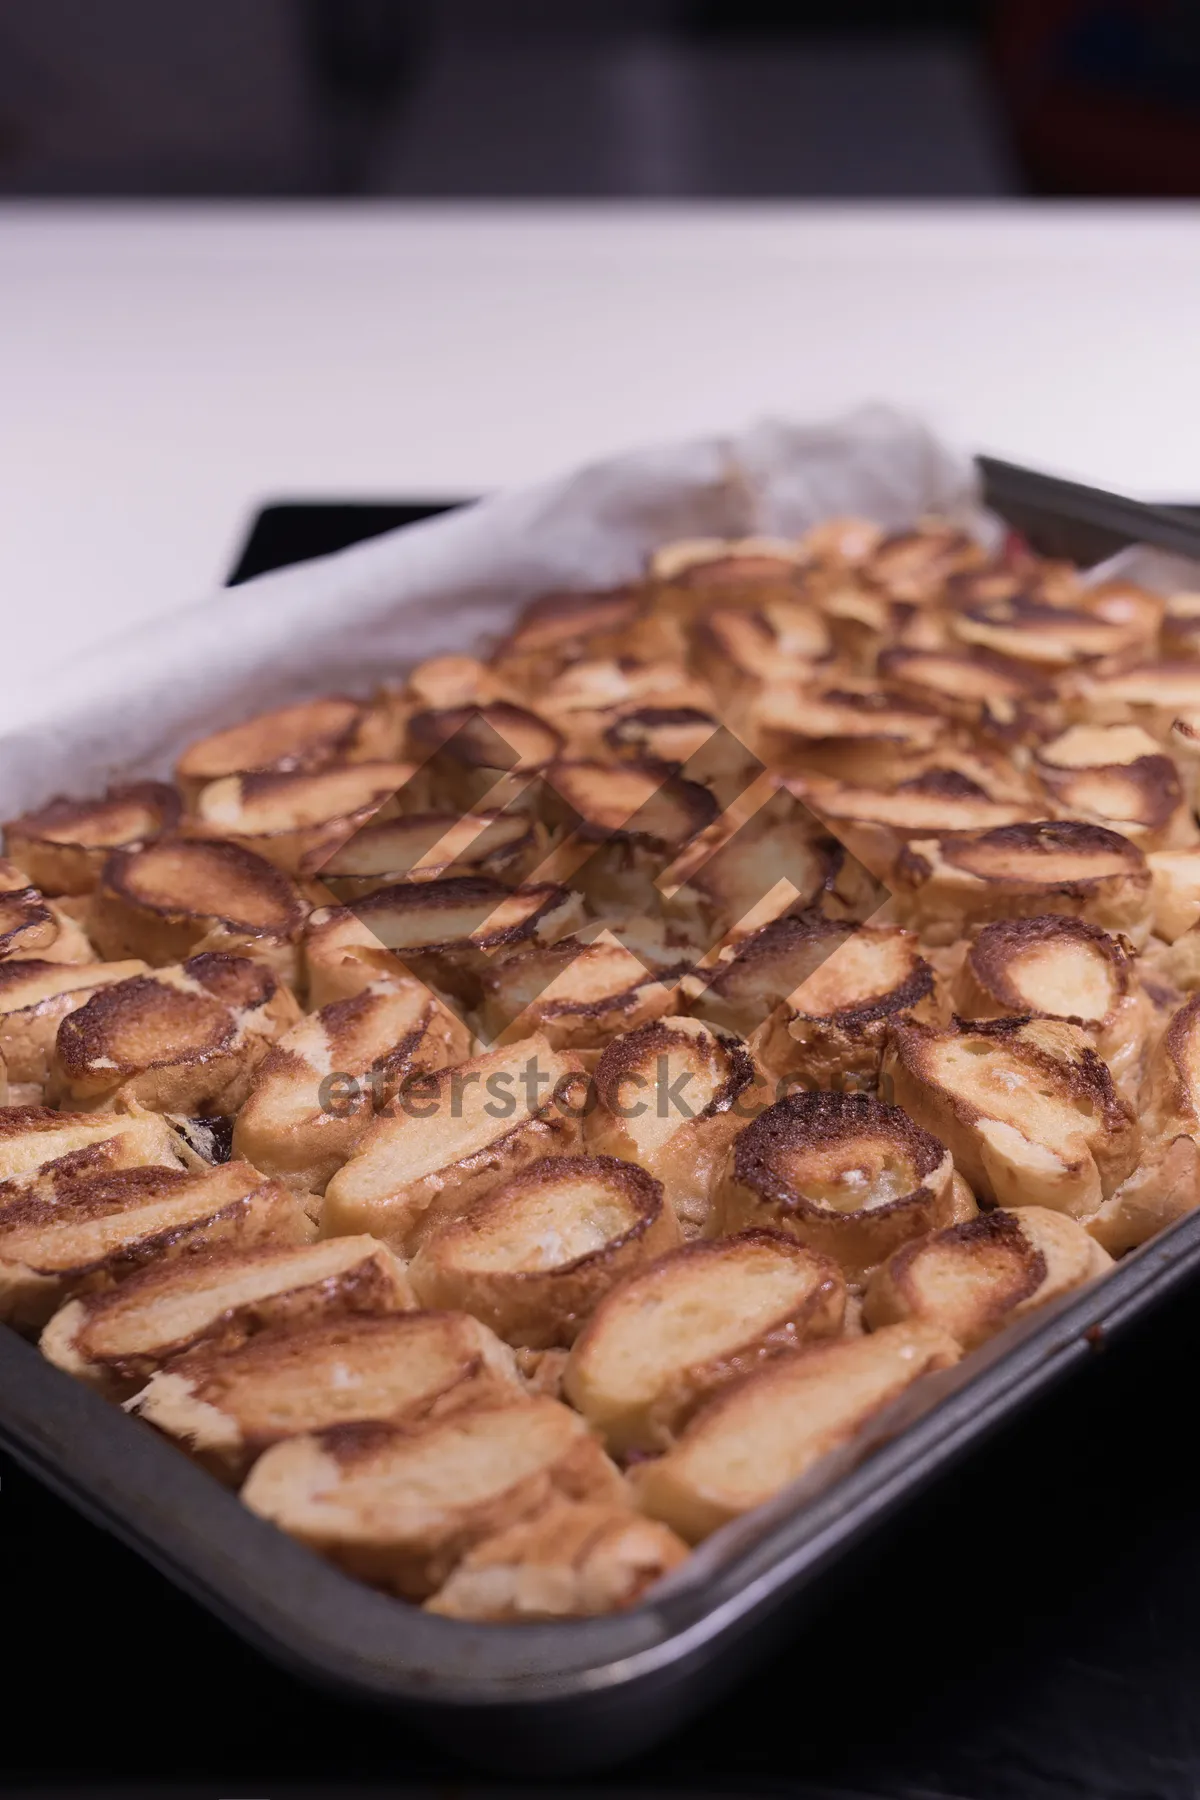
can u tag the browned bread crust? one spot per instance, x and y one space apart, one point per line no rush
298 818
402 1508
64 844
533 1257
311 735
842 1173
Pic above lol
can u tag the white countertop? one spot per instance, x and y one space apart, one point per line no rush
163 370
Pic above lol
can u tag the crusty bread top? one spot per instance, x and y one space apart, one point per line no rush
427 846
632 802
496 736
461 910
200 878
27 925
31 1137
188 1013
718 1066
305 736
564 622
122 815
670 735
1052 964
876 971
26 985
1059 855
271 801
840 1153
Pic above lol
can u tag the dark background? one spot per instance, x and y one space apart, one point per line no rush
600 98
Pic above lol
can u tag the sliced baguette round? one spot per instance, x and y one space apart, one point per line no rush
34 1138
298 818
227 1406
666 1338
402 1508
1026 1106
533 1257
428 846
35 997
311 735
672 1096
1121 777
766 1431
318 1087
185 1039
65 843
474 756
842 1173
973 1279
573 1560
34 928
580 995
165 900
68 1237
945 885
450 1136
115 1340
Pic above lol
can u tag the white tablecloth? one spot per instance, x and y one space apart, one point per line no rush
163 370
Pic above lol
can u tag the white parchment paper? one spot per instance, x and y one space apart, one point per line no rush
348 621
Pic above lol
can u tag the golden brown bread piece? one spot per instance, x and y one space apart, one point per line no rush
573 1560
533 1257
402 1508
742 985
450 1137
974 687
35 1137
1026 1107
35 997
625 822
975 1278
1054 967
671 735
428 846
1119 776
475 756
769 1429
875 823
945 885
318 1087
831 1029
444 933
736 650
1052 637
311 735
228 1406
176 896
117 1339
32 927
298 818
669 1336
590 703
1175 891
64 844
71 1236
846 726
579 994
842 1173
185 1039
558 630
672 1096
1151 694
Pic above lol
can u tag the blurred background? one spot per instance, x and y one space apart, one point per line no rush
598 98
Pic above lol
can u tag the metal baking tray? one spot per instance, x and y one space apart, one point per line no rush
581 1695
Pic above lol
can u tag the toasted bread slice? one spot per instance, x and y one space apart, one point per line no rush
975 1278
1053 967
184 1039
917 565
33 1138
945 885
672 1096
1049 637
1163 1188
669 735
876 823
34 928
589 701
974 687
533 1257
34 999
667 1337
1151 694
557 630
1119 776
766 1431
476 756
842 1173
1026 1107
741 987
737 651
312 735
64 844
626 822
429 847
729 567
297 818
573 1560
118 1338
1175 891
855 730
228 1406
317 1088
831 1029
170 898
402 1508
445 933
580 995
451 1136
67 1237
